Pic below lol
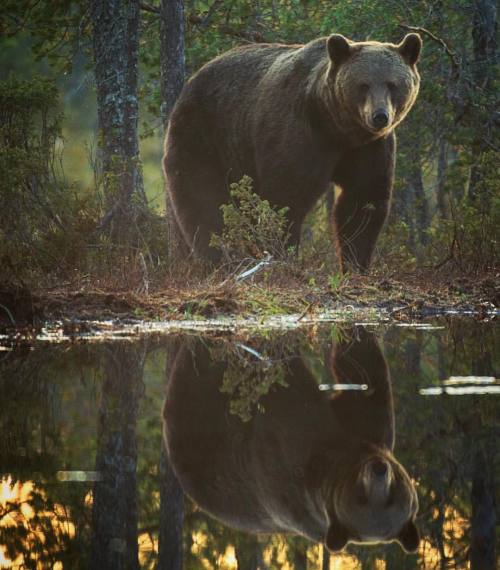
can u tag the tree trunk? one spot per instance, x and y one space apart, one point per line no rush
115 37
421 205
484 37
441 196
172 74
172 66
114 508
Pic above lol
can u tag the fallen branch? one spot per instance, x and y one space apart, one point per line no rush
258 267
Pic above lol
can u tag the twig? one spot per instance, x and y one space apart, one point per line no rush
9 313
260 265
455 64
149 8
251 351
247 36
144 288
202 22
306 310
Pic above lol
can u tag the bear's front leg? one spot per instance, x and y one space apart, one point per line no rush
365 177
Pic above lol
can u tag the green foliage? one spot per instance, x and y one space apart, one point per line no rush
393 251
335 281
252 226
246 383
51 424
247 379
455 108
43 222
471 237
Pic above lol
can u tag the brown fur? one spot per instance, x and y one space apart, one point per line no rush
304 463
294 119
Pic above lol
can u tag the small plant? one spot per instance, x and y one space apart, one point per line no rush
334 281
252 226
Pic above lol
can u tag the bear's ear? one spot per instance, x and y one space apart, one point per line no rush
409 537
410 48
338 48
336 537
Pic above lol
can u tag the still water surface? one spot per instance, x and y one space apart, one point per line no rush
380 443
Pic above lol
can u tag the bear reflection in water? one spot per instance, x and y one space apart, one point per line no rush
312 463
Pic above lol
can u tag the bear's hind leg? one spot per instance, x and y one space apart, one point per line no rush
197 188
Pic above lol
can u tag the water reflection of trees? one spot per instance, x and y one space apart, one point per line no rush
54 398
114 505
449 442
41 521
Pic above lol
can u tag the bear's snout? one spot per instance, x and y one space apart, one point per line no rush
380 119
379 467
377 479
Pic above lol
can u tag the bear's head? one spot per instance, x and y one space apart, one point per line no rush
373 84
375 501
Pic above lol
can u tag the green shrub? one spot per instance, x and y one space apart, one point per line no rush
43 222
252 227
470 239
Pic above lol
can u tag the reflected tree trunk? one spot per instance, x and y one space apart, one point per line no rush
483 522
114 509
299 554
325 558
412 351
171 518
171 498
249 555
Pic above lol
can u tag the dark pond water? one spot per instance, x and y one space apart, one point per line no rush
189 452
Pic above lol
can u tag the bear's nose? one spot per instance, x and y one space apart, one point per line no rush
379 468
380 119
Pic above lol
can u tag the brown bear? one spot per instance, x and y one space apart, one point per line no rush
305 463
295 118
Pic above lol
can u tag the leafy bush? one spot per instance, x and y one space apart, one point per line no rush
252 227
470 239
49 230
43 222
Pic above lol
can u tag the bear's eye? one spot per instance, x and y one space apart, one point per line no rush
392 86
363 88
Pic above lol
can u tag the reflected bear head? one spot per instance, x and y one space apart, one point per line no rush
370 499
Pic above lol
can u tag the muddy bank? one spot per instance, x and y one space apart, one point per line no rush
248 305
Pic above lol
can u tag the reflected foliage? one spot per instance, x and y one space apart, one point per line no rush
64 408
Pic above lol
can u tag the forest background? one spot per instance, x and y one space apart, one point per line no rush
85 93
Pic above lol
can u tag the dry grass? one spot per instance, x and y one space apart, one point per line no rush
265 294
